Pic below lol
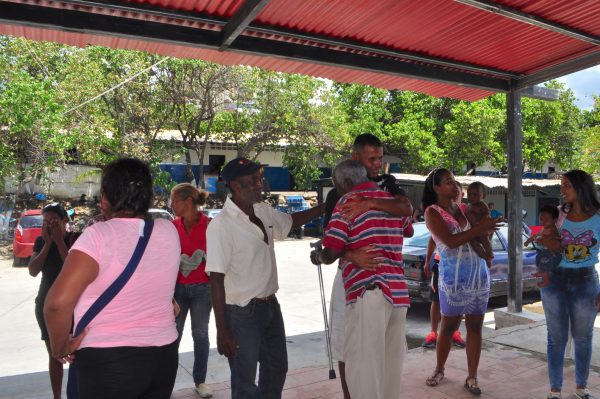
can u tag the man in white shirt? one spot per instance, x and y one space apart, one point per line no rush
243 275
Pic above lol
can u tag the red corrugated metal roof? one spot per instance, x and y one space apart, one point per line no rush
440 28
444 29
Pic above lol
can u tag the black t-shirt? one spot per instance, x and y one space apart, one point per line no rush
385 182
53 264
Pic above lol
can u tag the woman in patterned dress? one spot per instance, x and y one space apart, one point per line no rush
464 283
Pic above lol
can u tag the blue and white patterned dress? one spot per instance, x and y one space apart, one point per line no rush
464 282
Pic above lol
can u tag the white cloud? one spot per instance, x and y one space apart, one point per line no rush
585 84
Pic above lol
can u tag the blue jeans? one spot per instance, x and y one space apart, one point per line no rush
195 298
570 301
260 334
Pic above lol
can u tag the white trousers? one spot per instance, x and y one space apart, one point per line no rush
374 347
337 317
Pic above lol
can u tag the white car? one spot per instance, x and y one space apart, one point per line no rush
157 213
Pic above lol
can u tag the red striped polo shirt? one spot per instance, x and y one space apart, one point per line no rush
380 229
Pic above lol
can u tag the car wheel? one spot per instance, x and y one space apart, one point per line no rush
19 261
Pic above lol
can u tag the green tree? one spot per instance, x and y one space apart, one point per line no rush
365 107
590 159
268 110
195 90
473 135
30 119
415 131
551 130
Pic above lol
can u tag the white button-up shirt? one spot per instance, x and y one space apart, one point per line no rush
236 248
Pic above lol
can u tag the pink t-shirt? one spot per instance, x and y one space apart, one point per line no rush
142 313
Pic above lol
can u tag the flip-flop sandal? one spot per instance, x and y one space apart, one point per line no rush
473 387
436 377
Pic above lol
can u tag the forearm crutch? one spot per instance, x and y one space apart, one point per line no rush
317 246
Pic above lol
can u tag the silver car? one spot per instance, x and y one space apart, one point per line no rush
415 250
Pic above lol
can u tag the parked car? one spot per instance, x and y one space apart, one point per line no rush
415 249
157 213
29 227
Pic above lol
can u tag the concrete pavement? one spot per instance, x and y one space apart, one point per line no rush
512 365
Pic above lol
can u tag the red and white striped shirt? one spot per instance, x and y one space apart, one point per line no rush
383 231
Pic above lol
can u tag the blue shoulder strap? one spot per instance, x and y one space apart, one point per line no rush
119 283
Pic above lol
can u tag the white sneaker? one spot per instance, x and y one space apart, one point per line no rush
554 395
204 391
583 393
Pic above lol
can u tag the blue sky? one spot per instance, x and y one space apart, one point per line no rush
585 84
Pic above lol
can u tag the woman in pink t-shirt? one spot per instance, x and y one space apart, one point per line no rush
192 291
130 348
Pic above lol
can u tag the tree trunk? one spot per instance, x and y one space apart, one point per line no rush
202 151
189 173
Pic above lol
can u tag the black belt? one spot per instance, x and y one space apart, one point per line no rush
574 272
265 299
371 287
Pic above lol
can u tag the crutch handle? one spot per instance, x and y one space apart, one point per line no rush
317 245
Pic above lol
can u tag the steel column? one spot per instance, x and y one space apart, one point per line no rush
515 201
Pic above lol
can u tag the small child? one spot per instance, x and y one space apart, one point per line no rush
546 260
477 210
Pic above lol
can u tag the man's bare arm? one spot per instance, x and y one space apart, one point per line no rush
303 217
396 206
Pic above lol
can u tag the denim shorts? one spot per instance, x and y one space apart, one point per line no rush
547 260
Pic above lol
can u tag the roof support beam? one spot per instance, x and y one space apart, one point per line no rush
574 65
269 30
84 22
513 13
240 21
318 55
408 55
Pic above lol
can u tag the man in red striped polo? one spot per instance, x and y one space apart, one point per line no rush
376 296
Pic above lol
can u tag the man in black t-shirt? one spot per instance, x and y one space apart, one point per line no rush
367 149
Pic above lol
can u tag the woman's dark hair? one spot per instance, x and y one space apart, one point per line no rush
584 186
57 209
127 185
550 210
433 179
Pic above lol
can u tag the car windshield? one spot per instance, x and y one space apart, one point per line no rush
158 214
420 238
28 222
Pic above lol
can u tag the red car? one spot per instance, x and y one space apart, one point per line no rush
29 227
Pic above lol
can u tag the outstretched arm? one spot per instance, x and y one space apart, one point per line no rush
303 217
436 225
396 206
